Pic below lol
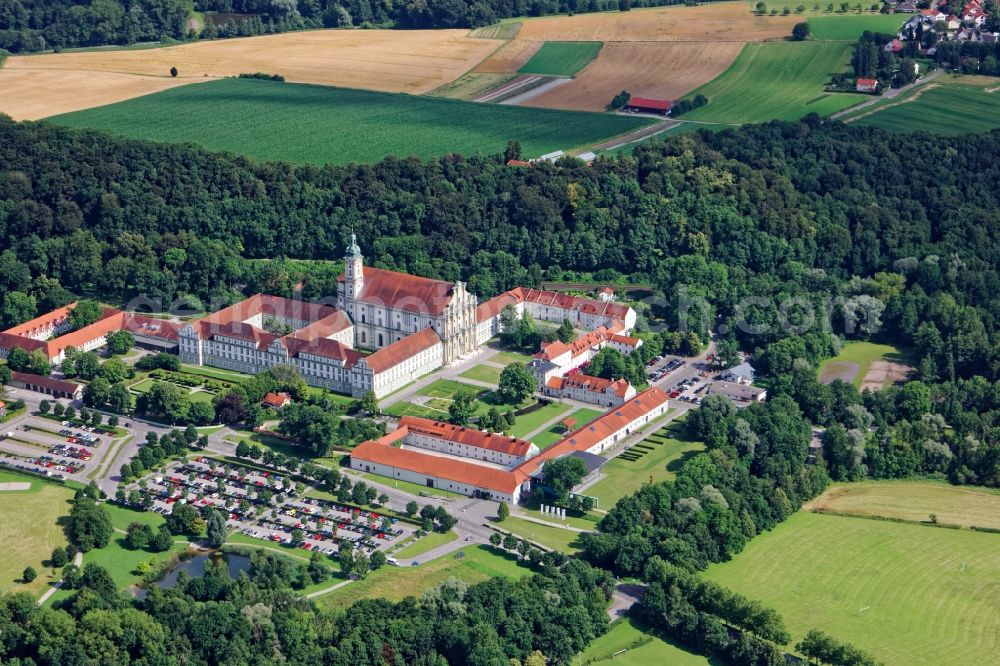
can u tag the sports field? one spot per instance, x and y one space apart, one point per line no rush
967 105
628 643
317 124
662 70
848 27
669 447
29 530
561 58
914 500
863 364
776 81
906 593
472 565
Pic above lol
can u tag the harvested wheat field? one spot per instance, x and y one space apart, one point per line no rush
663 70
32 94
713 22
509 58
413 61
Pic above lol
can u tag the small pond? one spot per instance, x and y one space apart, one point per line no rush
195 568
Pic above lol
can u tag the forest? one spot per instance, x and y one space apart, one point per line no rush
258 619
37 25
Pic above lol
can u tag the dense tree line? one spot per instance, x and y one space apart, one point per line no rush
753 476
33 25
769 211
257 619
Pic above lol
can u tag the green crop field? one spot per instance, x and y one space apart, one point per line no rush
941 109
776 81
848 27
906 593
561 58
319 124
623 477
627 642
29 530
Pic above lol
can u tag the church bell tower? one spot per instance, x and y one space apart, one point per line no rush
354 277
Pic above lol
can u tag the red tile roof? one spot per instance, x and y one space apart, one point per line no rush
45 382
610 310
151 327
468 436
588 383
467 473
401 291
599 428
111 320
274 306
401 350
494 306
49 319
649 103
280 399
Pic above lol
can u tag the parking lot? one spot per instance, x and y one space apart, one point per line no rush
249 499
58 449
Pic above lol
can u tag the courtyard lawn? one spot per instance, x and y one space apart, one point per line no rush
29 530
528 423
447 388
908 594
202 396
143 386
508 357
401 409
471 565
628 642
430 541
556 431
967 506
623 477
489 374
556 538
216 373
